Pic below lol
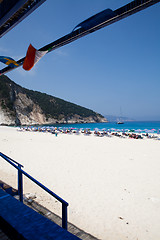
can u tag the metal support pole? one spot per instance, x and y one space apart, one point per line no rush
20 184
64 216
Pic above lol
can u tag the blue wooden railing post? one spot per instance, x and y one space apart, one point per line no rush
20 184
64 216
21 172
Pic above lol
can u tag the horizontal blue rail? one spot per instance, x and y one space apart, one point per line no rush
21 172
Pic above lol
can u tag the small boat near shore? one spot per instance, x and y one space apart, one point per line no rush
120 122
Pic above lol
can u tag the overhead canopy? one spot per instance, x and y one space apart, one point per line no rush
14 11
96 19
86 27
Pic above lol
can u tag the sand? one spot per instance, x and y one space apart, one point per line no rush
112 184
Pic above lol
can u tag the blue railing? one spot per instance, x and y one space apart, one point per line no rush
21 172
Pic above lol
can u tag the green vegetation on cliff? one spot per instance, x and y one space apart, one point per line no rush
6 101
52 107
56 107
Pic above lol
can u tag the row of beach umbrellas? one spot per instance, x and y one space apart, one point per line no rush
130 130
50 128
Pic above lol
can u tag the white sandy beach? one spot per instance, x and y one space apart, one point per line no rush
112 184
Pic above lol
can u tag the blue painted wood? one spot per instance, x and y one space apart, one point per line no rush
8 189
20 187
2 194
24 223
20 184
64 216
12 160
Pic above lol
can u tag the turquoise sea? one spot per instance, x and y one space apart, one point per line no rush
135 125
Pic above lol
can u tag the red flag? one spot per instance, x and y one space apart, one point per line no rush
32 57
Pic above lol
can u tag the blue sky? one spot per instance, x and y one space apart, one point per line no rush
117 67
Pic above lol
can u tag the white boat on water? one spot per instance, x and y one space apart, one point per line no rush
119 122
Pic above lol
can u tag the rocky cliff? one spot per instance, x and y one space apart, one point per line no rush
20 106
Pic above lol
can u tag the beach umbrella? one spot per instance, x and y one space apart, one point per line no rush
132 130
145 130
149 131
74 130
104 130
139 130
118 130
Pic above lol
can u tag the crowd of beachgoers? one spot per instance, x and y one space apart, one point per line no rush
122 133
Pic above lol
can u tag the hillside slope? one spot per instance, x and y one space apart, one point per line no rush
20 106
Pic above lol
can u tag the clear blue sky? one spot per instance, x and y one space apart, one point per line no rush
115 67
